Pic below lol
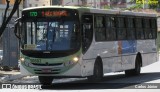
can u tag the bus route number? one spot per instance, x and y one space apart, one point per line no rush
33 14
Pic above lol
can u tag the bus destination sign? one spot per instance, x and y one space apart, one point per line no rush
48 13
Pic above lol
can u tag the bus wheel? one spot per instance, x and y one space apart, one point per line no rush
97 73
137 69
45 80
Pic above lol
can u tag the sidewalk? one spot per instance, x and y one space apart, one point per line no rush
7 76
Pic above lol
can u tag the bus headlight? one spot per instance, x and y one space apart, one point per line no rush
73 61
22 59
26 62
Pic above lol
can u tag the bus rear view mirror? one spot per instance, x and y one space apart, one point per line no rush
17 28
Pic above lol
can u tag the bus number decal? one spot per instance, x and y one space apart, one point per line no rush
35 60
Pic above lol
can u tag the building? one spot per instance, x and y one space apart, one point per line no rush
4 2
87 3
35 3
126 3
95 3
8 41
117 4
56 2
2 9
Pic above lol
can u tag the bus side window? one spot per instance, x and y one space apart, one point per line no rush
147 29
110 28
130 28
121 29
139 28
100 32
153 27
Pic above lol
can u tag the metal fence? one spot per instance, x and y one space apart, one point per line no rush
10 48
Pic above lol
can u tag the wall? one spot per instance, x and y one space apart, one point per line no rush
89 3
35 3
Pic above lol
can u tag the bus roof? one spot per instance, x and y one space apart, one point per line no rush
45 7
137 14
95 10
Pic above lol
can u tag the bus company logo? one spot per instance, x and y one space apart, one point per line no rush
150 2
6 86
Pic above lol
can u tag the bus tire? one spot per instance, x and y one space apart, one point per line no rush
45 80
137 70
97 73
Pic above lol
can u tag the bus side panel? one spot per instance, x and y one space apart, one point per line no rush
108 51
128 54
112 64
87 67
128 61
74 71
148 50
149 59
24 71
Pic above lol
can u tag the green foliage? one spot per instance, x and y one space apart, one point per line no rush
137 6
140 6
154 6
107 7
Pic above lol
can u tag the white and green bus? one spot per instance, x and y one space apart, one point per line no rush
73 42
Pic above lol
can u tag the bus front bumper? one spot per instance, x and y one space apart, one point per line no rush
62 72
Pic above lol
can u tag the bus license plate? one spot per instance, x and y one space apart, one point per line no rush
46 70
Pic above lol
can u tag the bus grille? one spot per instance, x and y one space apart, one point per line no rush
41 71
56 64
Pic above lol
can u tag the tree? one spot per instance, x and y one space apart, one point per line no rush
155 5
6 18
152 4
136 5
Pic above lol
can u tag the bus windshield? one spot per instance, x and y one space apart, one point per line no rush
50 35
